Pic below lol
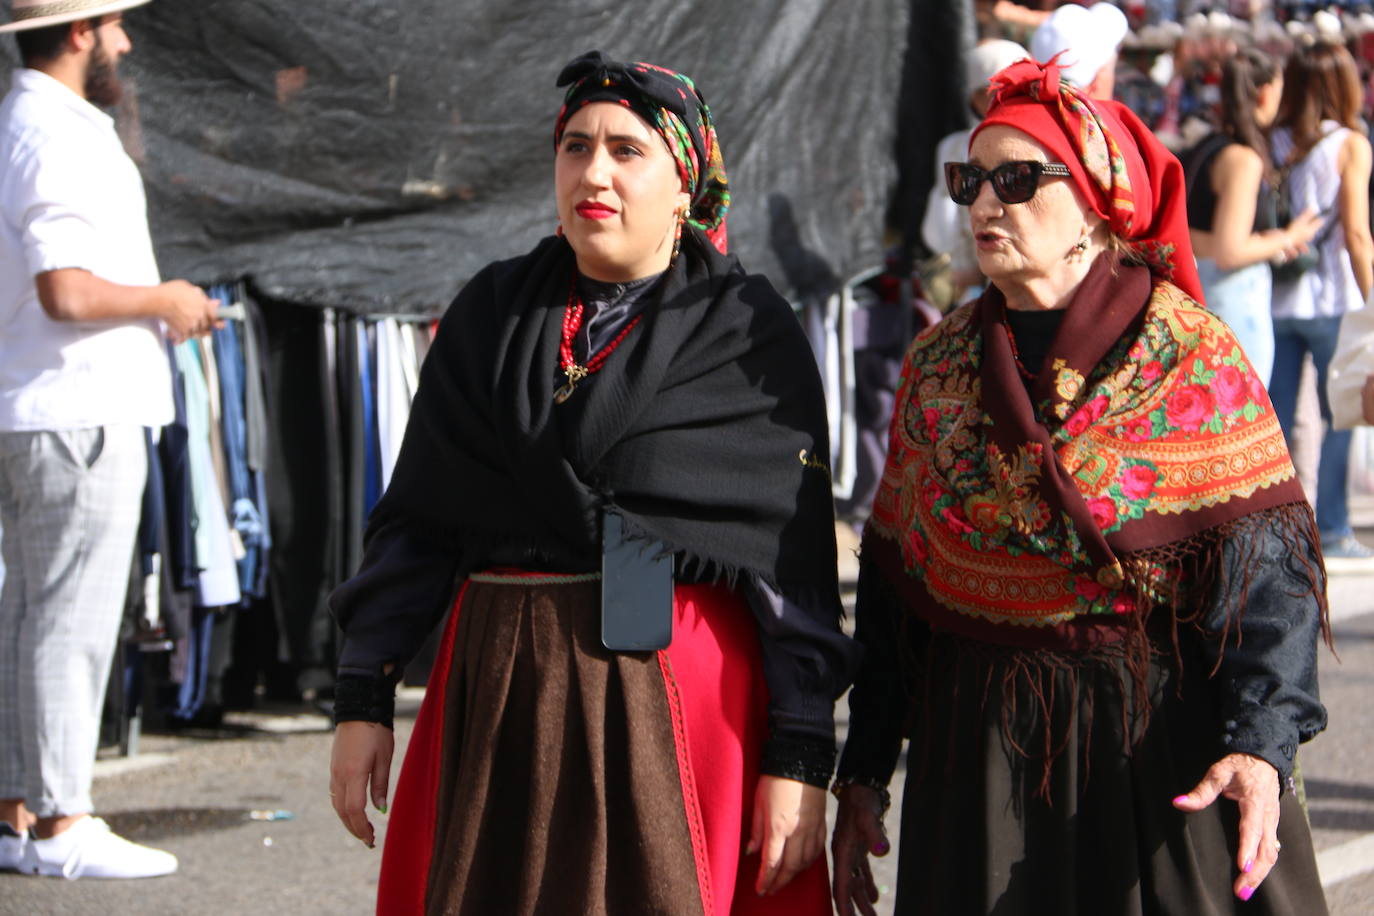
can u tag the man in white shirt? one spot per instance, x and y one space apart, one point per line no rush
83 370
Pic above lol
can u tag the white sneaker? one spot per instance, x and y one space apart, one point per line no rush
89 849
13 845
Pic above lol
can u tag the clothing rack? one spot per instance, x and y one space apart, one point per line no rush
321 466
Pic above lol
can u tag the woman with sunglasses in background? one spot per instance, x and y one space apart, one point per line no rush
1232 216
1090 591
617 459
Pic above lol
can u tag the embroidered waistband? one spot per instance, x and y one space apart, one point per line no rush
520 577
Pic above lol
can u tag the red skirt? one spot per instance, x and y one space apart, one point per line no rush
546 774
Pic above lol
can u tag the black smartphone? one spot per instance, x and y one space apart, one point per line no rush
636 590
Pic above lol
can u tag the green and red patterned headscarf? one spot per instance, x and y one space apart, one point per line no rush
670 103
1124 172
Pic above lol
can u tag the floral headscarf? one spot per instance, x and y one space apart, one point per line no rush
671 104
1128 177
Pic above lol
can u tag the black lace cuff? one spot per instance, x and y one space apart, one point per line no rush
360 698
808 760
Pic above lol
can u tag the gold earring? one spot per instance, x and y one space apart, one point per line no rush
677 234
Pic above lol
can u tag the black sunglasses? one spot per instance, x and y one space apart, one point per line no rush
1012 182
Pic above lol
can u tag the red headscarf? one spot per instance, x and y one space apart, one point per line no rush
1124 172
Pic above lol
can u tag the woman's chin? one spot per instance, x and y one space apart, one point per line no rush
611 262
593 252
995 267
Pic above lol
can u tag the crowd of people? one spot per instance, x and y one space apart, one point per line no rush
1091 588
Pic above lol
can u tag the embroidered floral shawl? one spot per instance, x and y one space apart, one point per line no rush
1149 438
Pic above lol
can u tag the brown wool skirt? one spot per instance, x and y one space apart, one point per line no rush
567 779
977 837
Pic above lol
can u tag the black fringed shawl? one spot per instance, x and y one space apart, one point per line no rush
705 427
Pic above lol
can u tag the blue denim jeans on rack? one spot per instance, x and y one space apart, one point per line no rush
1294 338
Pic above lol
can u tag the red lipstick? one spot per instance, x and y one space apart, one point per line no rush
590 209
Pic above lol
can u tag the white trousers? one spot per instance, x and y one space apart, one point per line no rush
70 503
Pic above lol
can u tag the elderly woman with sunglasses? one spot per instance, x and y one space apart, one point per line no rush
1090 592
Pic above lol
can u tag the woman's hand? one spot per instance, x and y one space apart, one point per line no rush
789 827
1300 231
858 832
1367 399
1254 785
362 755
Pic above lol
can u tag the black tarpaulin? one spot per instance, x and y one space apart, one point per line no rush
375 155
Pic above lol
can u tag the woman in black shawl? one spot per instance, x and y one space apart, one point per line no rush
628 370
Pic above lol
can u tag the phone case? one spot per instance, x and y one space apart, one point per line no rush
636 590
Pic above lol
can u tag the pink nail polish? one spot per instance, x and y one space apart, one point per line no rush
1249 864
1246 893
881 848
1180 799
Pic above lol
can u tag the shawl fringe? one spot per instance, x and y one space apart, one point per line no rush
1174 586
689 566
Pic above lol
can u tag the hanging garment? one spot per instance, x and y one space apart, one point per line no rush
352 423
394 392
253 340
174 455
243 509
218 580
367 378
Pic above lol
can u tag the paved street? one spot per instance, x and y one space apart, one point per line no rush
193 794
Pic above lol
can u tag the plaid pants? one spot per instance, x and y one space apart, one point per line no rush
69 508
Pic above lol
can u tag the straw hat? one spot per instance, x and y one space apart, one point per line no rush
35 14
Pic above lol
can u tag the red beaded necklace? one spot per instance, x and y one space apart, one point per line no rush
572 323
1016 356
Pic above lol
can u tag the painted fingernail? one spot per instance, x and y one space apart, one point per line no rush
1249 864
1246 892
382 807
1180 800
881 848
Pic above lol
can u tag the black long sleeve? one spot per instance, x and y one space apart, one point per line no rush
807 665
1267 678
386 610
878 702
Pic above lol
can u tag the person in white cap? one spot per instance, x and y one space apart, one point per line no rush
945 225
83 370
1089 38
